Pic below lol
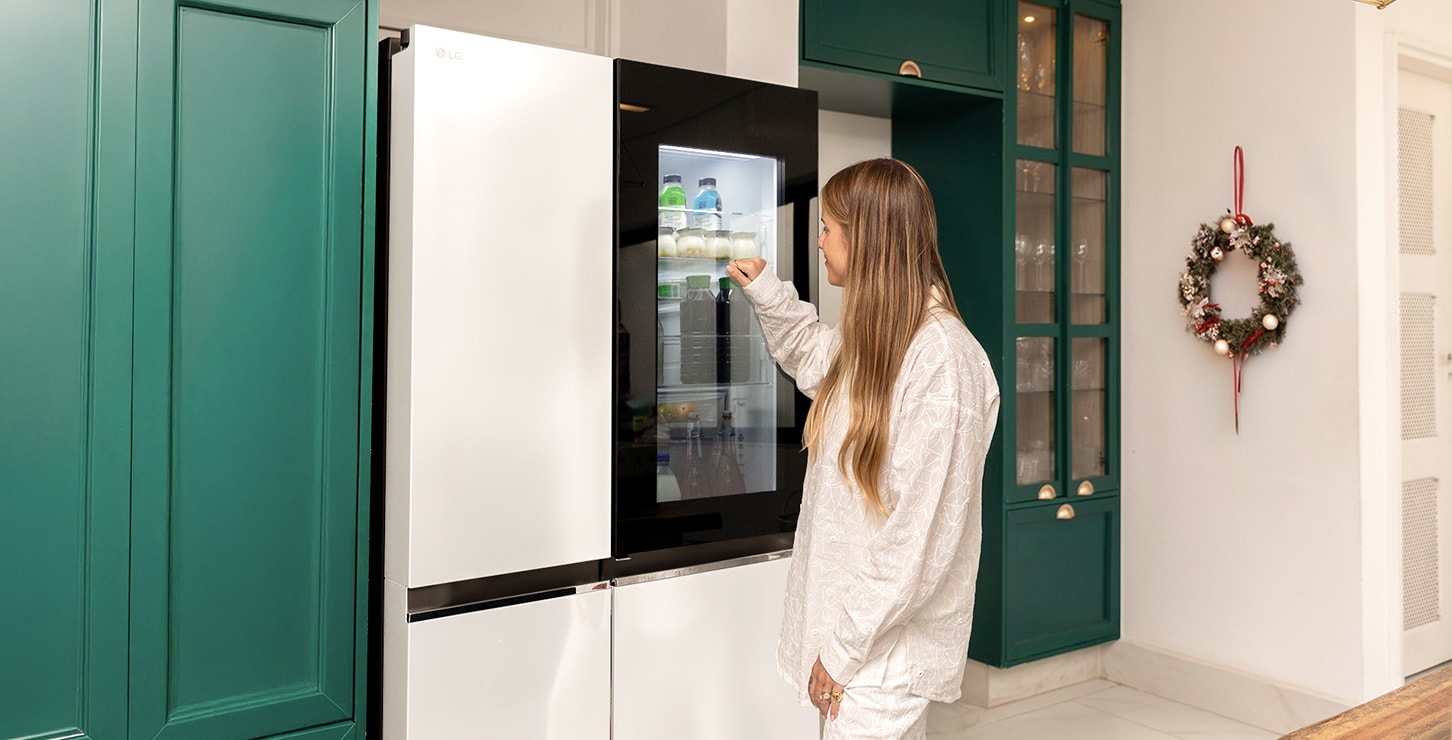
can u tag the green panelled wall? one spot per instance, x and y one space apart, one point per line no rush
185 333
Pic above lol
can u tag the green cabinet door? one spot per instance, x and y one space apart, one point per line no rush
249 275
63 383
1060 577
954 42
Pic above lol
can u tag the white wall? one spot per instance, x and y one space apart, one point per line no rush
843 139
754 39
1243 550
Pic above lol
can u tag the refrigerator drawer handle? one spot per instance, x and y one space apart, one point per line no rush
910 68
479 606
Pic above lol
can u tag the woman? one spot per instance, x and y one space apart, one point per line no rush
880 593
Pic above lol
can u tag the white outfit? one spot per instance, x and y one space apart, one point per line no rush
897 591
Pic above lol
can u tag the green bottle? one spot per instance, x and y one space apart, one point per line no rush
672 203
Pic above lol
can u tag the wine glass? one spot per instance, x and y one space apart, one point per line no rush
1020 261
1081 266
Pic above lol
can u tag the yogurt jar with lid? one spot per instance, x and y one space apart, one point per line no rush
744 246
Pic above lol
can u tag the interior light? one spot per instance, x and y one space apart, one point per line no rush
1029 19
1380 4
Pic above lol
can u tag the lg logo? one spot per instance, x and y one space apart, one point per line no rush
443 53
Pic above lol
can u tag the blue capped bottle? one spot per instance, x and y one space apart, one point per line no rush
707 206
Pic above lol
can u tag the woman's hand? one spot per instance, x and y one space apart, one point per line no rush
825 693
742 272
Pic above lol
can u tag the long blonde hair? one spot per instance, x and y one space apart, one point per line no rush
894 273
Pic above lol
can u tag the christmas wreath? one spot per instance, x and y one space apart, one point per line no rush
1278 279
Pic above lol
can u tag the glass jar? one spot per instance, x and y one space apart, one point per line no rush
744 246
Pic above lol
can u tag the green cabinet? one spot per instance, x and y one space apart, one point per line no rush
188 461
1026 186
953 42
1050 581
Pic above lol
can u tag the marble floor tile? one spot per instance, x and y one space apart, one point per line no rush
1093 710
1168 716
962 715
1068 719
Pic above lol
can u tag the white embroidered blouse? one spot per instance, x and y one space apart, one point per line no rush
857 577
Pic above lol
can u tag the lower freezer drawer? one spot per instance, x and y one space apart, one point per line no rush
695 657
539 669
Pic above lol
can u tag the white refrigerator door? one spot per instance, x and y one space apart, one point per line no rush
534 670
695 657
500 318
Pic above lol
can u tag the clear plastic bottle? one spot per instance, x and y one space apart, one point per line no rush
672 203
727 478
698 331
707 206
696 473
667 488
746 340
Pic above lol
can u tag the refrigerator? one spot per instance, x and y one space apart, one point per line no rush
585 480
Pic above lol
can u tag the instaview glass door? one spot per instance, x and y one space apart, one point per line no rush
715 383
708 438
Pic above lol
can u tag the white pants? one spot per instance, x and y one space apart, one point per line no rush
876 705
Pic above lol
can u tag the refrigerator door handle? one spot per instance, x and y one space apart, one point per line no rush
661 575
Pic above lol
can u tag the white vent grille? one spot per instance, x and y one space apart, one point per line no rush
1414 183
1420 595
1419 393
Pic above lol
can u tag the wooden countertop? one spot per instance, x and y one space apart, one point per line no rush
1421 710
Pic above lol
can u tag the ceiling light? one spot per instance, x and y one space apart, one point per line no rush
1029 19
1380 4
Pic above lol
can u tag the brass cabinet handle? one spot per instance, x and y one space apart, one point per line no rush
910 69
1047 492
1085 488
1065 512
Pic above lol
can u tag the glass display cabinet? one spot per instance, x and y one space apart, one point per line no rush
1051 558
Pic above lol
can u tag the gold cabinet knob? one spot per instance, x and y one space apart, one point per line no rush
1047 492
1065 512
1085 488
910 68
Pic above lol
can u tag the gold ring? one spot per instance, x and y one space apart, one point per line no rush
837 696
824 696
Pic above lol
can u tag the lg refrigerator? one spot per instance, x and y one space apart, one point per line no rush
541 569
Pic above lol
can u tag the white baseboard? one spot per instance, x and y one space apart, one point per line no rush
1224 691
987 686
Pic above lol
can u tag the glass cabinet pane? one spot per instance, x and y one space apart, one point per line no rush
1036 51
1091 70
1033 247
1034 370
1088 233
1088 426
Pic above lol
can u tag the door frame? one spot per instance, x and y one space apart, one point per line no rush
1401 55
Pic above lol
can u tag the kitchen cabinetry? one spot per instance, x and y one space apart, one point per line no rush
953 42
1051 583
1026 188
185 443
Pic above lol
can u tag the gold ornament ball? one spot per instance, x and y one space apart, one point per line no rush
1222 347
1227 224
1217 254
1270 322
